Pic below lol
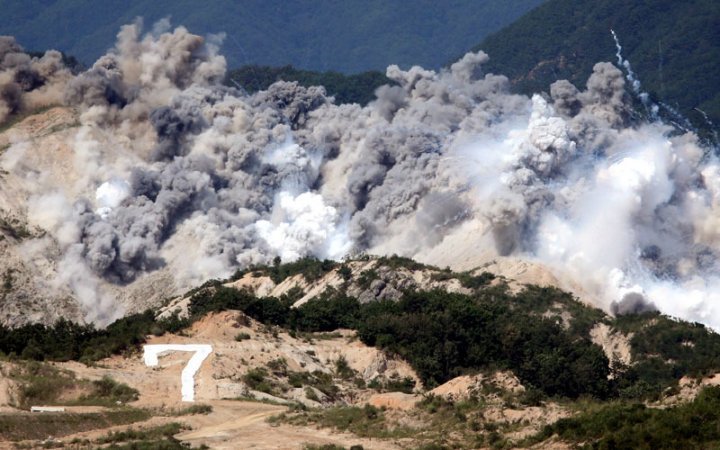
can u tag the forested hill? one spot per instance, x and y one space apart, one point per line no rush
673 46
358 88
347 36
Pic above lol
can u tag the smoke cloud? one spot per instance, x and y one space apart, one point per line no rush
175 171
27 82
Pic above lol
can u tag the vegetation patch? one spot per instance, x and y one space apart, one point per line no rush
321 381
67 340
257 379
367 421
14 228
42 384
466 279
166 431
694 425
661 349
193 410
17 427
108 392
397 262
395 383
242 337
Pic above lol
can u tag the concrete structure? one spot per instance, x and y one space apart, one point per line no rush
47 409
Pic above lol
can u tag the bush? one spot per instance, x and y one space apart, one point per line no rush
256 379
41 383
267 310
131 434
405 385
345 272
194 409
343 369
327 312
242 337
110 390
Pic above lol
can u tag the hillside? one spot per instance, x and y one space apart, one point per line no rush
373 353
349 36
359 88
674 47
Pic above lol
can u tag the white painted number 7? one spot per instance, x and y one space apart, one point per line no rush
151 353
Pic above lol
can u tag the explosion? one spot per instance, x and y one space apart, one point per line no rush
173 171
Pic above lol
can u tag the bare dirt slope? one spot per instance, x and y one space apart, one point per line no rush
46 153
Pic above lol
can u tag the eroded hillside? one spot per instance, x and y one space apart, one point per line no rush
451 360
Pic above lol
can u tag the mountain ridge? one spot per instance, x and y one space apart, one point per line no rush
349 37
673 47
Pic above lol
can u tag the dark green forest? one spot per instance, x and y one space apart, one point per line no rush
350 36
673 46
359 88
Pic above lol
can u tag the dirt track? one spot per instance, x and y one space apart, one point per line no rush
241 424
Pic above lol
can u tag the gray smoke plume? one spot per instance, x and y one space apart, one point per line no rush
200 179
28 82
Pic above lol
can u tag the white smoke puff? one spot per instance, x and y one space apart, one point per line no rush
303 225
548 134
109 195
12 158
88 153
696 299
98 305
542 145
53 212
196 240
302 167
597 239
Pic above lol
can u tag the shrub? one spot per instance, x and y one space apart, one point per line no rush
41 383
345 272
194 409
242 337
278 366
257 379
405 385
367 277
343 369
111 391
311 395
